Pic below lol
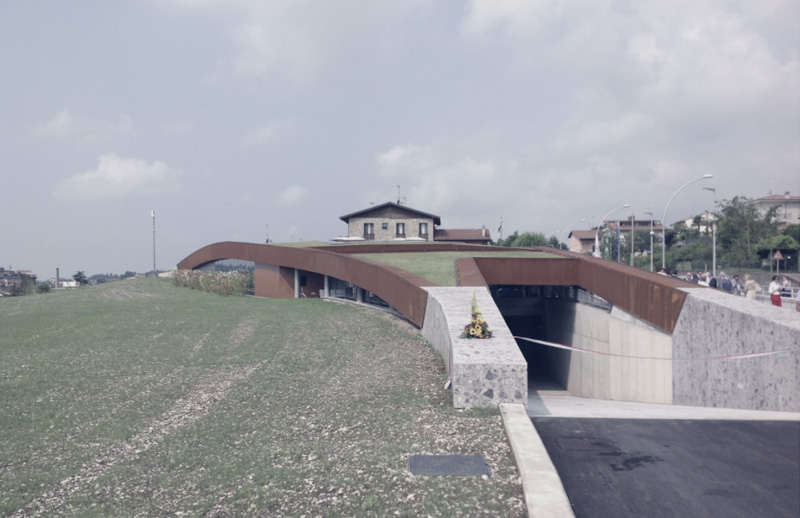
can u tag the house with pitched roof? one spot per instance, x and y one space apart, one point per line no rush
397 222
788 207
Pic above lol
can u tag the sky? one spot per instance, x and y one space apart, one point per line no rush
242 120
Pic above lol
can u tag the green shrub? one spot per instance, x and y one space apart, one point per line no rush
221 283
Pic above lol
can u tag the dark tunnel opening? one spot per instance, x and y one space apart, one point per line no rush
543 313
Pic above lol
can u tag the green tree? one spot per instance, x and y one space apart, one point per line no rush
786 244
508 240
80 278
741 228
553 242
529 239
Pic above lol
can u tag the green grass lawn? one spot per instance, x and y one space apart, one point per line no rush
140 398
439 267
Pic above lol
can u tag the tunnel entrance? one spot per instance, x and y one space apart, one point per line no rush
543 313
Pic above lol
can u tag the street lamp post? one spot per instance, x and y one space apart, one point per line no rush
650 213
664 220
633 229
564 232
603 219
713 232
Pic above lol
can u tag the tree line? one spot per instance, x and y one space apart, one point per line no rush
745 238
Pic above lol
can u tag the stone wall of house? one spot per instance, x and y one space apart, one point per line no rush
355 227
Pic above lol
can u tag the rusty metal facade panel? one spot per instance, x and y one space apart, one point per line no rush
653 298
401 289
273 281
533 271
468 273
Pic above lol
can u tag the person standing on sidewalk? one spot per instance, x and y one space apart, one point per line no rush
736 287
724 283
775 291
751 287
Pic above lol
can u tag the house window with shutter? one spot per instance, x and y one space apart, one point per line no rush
369 231
401 230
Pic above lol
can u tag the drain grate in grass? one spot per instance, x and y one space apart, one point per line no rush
449 465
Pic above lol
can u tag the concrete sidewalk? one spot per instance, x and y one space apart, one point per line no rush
559 403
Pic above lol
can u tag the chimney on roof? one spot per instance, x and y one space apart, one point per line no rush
483 231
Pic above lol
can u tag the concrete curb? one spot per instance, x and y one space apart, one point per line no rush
544 493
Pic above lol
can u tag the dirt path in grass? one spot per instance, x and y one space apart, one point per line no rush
210 390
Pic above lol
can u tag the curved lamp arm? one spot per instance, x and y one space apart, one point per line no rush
664 221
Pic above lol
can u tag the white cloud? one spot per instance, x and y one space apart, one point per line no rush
264 134
592 135
302 37
435 178
117 177
84 130
292 195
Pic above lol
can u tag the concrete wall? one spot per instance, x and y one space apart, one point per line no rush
608 377
713 324
484 373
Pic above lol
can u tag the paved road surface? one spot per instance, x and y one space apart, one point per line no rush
671 462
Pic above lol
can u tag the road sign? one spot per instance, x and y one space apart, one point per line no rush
778 256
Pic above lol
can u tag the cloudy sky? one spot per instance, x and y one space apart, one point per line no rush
234 118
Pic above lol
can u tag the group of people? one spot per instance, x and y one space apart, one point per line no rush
750 288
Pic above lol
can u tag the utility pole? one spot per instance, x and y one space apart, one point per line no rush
153 215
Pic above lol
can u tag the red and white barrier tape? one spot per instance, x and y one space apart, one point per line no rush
589 351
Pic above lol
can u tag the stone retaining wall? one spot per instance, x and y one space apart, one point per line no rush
483 373
714 324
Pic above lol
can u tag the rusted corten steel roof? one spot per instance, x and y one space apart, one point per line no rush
654 298
468 273
401 289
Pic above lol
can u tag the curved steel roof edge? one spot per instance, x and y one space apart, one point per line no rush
399 288
655 298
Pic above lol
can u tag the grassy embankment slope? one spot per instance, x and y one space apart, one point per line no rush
140 398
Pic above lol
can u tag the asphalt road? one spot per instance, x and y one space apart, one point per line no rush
676 468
